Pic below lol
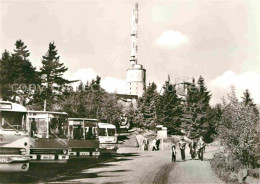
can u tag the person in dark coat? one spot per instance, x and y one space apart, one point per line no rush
33 128
192 146
173 152
157 144
182 146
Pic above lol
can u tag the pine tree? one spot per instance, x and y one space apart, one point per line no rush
169 109
20 49
196 109
17 74
6 77
214 117
147 107
52 80
248 101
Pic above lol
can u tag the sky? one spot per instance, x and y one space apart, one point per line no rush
217 39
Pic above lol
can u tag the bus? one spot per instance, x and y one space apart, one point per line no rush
107 138
83 140
48 131
14 139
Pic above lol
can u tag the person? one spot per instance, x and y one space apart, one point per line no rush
53 128
145 145
157 144
192 146
201 148
173 152
182 146
154 145
33 128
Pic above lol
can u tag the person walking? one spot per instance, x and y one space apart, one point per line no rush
154 145
201 148
182 146
157 144
192 146
173 152
145 145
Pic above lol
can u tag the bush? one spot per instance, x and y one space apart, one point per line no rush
226 167
239 132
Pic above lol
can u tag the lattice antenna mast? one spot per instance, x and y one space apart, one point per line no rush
134 48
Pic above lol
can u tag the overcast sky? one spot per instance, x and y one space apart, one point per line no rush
219 40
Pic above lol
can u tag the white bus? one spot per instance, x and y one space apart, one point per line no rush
107 138
14 139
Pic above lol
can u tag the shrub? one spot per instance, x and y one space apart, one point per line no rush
239 132
226 167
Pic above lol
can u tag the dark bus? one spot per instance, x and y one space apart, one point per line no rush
83 138
49 134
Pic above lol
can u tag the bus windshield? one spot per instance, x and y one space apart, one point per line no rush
102 132
76 129
111 132
13 120
58 127
82 129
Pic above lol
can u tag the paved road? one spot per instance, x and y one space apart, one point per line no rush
136 166
131 165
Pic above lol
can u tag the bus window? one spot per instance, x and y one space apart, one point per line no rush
102 132
77 132
39 128
13 121
90 132
57 128
111 132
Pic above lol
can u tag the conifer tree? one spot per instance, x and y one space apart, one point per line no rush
6 77
196 109
248 101
17 74
52 80
147 106
169 109
20 49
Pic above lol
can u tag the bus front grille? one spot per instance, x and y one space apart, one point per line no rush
46 151
83 149
9 151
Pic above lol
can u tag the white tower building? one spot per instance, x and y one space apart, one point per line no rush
136 74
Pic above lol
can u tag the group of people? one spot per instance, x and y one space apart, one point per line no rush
155 145
196 148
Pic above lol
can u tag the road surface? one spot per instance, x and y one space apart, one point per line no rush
133 165
130 165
